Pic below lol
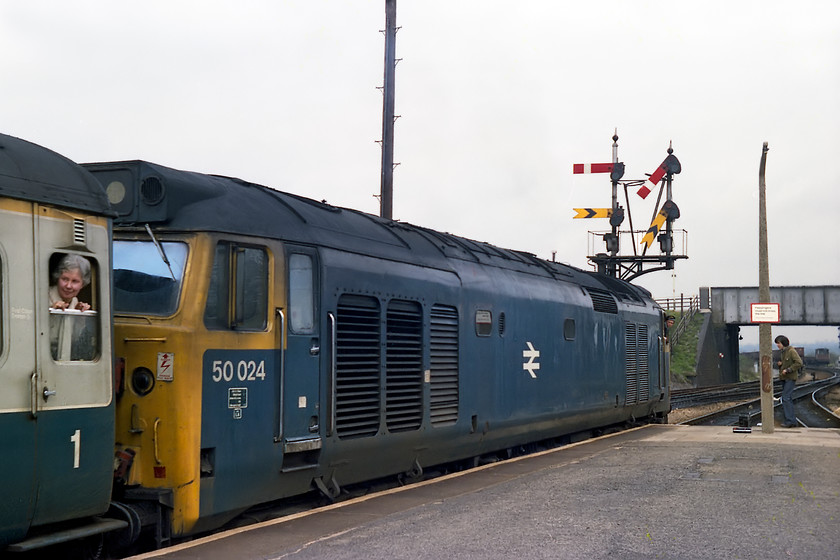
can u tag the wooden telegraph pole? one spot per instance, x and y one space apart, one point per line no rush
387 185
764 333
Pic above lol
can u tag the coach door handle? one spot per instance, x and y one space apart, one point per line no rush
48 394
33 394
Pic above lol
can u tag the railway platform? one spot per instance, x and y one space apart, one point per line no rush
653 492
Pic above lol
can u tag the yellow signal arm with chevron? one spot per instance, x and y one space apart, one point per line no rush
668 210
592 212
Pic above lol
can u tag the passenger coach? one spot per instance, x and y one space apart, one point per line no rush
271 344
56 401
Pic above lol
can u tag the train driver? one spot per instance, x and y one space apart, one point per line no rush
669 322
70 276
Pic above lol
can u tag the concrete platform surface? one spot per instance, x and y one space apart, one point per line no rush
678 492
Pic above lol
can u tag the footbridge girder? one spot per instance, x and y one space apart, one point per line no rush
798 305
728 308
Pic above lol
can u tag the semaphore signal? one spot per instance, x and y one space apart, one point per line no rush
628 267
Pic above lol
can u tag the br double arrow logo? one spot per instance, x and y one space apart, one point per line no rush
532 354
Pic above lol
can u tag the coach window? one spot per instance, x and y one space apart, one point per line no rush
73 301
301 295
2 313
238 295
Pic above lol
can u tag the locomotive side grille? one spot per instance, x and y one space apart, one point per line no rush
358 360
443 350
637 363
404 366
642 357
632 364
602 301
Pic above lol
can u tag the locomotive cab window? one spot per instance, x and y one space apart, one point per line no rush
73 319
148 280
238 295
301 294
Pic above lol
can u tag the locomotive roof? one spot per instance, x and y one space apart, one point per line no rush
34 173
172 200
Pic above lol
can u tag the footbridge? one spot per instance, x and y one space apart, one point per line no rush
727 309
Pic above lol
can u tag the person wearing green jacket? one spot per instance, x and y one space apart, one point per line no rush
790 364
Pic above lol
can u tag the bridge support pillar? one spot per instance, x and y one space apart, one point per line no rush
717 354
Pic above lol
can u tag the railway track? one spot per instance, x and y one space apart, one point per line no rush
698 396
818 414
809 411
686 398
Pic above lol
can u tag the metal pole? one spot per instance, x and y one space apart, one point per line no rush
669 223
387 186
611 268
764 334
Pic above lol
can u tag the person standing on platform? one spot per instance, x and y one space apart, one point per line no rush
790 365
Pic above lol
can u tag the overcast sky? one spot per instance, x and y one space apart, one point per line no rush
497 100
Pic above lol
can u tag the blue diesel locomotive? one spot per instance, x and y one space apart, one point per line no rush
272 344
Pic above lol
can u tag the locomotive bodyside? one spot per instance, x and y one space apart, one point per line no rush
502 359
305 345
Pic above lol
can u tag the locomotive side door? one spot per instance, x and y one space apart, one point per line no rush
301 411
17 366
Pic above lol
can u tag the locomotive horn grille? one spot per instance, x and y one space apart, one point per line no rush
151 189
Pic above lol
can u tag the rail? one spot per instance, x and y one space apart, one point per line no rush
803 395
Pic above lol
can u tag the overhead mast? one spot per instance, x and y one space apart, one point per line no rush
386 199
612 243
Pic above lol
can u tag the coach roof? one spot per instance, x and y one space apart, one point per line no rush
34 173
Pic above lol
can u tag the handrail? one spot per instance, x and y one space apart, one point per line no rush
687 307
281 328
155 437
331 377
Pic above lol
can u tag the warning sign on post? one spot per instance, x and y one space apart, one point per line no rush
764 312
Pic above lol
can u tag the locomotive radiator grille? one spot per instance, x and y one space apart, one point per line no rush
642 360
358 361
404 366
602 301
636 363
444 365
632 364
